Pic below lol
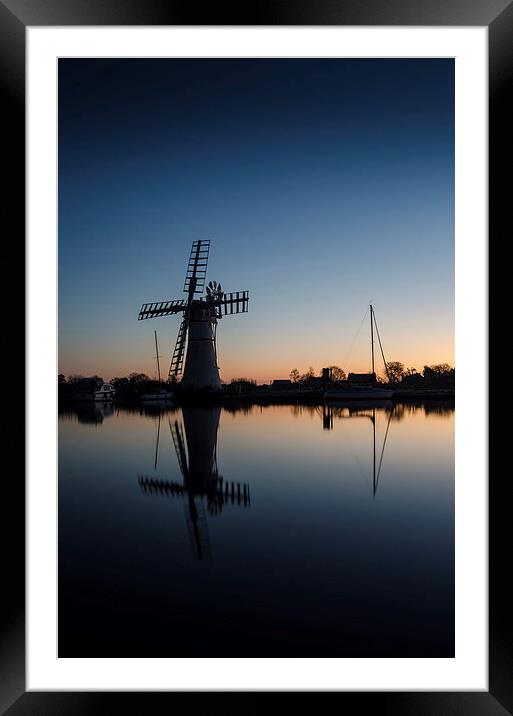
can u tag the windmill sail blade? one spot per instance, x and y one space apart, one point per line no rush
197 527
162 308
228 492
178 353
179 443
154 486
196 268
235 302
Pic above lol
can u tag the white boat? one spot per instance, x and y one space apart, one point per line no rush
94 389
105 392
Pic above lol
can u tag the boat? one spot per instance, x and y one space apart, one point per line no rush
94 390
363 386
105 392
156 396
359 393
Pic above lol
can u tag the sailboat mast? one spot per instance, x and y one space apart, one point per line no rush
381 348
373 451
158 361
372 335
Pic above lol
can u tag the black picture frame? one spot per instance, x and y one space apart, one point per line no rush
497 15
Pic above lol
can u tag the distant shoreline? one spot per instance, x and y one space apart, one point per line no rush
289 398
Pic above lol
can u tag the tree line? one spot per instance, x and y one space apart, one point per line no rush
396 373
438 375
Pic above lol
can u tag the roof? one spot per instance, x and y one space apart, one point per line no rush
361 377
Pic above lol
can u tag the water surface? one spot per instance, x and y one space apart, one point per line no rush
265 531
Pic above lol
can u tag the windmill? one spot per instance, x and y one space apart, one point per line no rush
196 452
199 322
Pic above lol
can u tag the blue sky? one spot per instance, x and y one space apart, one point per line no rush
321 184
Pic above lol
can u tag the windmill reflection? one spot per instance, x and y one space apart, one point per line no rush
331 412
195 443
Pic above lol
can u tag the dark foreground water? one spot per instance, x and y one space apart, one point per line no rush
270 531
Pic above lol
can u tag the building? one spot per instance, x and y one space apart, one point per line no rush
282 385
362 378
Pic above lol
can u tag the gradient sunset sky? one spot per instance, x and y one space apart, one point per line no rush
321 184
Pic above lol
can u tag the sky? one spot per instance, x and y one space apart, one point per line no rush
322 185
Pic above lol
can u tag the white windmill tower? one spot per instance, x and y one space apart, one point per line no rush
199 323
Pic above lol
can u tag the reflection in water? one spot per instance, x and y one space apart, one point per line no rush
318 567
329 412
88 413
442 408
196 451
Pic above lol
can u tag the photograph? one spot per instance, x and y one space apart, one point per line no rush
256 357
257 241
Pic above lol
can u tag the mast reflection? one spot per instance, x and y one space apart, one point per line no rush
195 443
330 412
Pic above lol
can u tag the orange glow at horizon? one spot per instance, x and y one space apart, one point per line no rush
263 369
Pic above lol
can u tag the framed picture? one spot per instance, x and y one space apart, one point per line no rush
409 564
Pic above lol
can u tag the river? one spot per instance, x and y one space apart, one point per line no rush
257 531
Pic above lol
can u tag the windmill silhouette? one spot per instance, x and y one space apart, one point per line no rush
196 452
199 322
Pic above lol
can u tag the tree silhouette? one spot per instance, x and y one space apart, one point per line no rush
294 375
440 368
395 371
250 381
75 378
337 373
441 375
138 377
308 379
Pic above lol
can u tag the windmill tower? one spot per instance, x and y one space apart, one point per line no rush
199 323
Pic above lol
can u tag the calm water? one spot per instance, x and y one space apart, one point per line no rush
269 531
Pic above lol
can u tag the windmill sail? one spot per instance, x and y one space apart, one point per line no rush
196 268
235 302
178 353
179 443
197 527
198 365
162 308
